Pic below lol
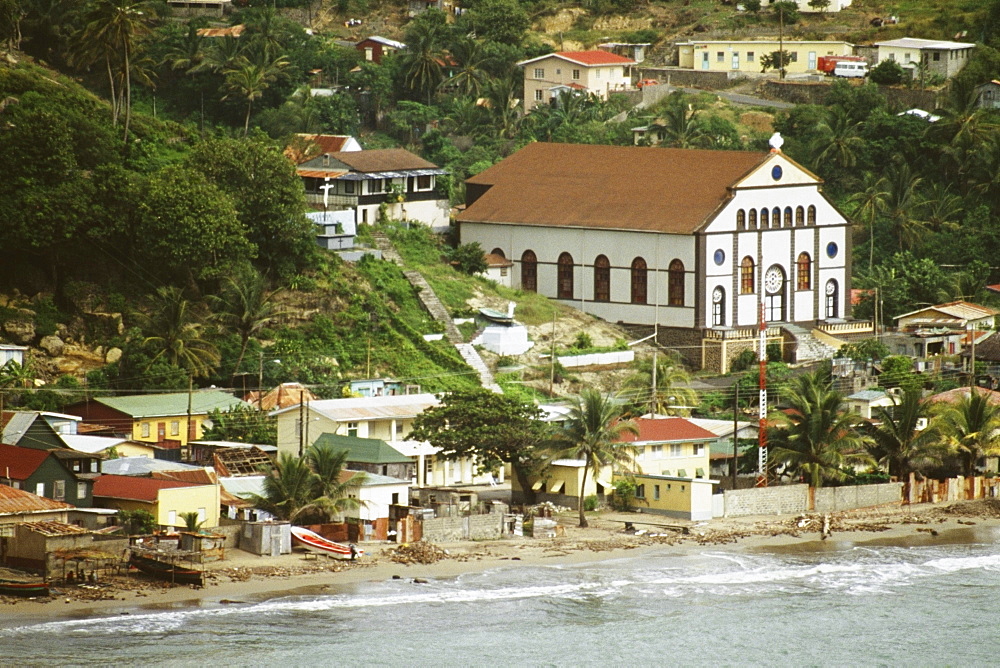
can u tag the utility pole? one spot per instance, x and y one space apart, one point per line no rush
260 382
190 427
552 356
736 426
653 406
302 423
762 384
972 360
307 422
781 44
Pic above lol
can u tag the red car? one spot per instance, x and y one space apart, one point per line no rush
647 82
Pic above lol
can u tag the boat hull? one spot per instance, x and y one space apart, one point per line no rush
24 589
313 542
168 572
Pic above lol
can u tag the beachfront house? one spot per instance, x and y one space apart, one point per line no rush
376 493
166 500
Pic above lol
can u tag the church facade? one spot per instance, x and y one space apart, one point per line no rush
693 241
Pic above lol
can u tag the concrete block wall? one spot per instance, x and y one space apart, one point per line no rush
831 499
782 500
485 527
473 527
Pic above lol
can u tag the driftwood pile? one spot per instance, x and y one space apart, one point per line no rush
982 508
418 553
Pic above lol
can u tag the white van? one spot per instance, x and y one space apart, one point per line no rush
851 70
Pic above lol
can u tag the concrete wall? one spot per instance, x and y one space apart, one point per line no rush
830 499
685 77
782 500
815 93
472 527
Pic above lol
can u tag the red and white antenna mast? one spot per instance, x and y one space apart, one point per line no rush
762 425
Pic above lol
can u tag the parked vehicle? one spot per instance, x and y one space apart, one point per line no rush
826 64
851 70
647 82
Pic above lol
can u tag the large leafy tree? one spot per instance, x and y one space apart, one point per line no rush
816 435
268 196
243 424
592 431
972 427
245 308
668 397
490 428
898 443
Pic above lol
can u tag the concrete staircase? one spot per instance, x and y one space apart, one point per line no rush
438 311
807 347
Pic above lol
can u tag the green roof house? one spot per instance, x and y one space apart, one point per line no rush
372 455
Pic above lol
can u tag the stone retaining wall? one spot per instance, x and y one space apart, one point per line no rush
831 499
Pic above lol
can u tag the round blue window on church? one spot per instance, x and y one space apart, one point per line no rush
720 257
831 249
776 172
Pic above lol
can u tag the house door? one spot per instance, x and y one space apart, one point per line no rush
774 294
736 60
161 431
812 60
704 60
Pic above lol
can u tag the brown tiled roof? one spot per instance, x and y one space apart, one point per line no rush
956 395
304 147
494 260
382 160
13 501
611 187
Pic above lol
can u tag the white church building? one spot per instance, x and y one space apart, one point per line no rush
693 241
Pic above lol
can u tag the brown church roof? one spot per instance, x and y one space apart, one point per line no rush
612 187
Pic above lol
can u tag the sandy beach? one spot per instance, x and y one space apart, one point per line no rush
244 578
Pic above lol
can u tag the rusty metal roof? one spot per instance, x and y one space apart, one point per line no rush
53 529
321 173
16 501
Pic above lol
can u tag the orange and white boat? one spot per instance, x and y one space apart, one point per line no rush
313 542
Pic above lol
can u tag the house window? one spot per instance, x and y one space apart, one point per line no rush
937 57
675 450
59 490
746 276
539 73
529 271
395 498
348 187
793 57
538 96
719 307
602 279
750 56
564 277
201 514
81 490
40 489
597 73
831 299
171 518
656 451
175 427
699 449
352 429
93 466
800 216
656 492
720 56
803 272
675 283
640 492
144 430
639 278
753 219
76 466
811 215
576 75
399 429
741 219
16 484
424 182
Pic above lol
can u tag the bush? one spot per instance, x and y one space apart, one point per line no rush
743 361
469 259
624 496
590 503
582 341
887 73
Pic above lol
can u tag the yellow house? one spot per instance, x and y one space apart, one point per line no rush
562 484
745 56
166 500
598 72
684 498
671 446
156 418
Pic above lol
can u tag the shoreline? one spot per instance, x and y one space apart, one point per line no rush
245 579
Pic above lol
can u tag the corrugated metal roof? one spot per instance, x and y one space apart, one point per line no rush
157 405
91 444
17 425
17 501
320 173
54 529
131 488
382 160
371 479
354 176
142 466
585 58
19 463
370 408
244 485
917 43
384 41
364 450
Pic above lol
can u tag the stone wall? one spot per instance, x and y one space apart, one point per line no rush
676 76
831 499
470 527
782 500
814 92
686 342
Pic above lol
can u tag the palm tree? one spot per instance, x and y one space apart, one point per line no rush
329 491
839 140
973 427
470 72
174 331
288 489
246 307
187 54
249 80
870 202
681 128
668 393
503 104
422 65
903 204
112 32
898 444
817 435
592 430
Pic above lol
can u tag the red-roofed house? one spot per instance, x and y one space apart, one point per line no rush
671 446
166 500
597 72
17 505
59 474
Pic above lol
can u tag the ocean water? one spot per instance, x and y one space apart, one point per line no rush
871 605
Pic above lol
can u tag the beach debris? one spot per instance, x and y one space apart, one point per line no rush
933 532
417 553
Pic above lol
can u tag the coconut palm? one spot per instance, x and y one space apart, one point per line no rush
816 434
972 427
903 205
288 489
668 394
249 80
175 331
898 444
839 140
422 65
112 32
330 492
246 307
592 430
681 128
470 67
869 203
503 104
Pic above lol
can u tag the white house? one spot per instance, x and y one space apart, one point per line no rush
937 56
598 72
695 241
